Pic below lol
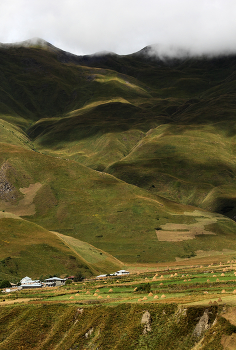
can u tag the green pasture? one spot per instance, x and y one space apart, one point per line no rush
24 244
194 286
111 215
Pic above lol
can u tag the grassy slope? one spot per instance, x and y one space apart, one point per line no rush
156 125
28 249
194 97
64 326
188 164
97 259
13 135
98 208
95 135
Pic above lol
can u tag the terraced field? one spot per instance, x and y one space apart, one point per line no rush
179 307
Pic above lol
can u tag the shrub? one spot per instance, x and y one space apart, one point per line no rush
68 282
78 277
144 287
5 284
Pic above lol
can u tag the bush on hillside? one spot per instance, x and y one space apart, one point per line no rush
144 287
5 284
68 282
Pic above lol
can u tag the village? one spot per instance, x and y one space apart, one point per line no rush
28 283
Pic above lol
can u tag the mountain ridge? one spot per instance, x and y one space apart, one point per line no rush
127 150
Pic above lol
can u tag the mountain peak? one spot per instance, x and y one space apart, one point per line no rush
33 42
163 52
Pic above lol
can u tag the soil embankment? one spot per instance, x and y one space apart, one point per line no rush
127 326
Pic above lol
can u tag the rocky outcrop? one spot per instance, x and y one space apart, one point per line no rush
146 322
89 333
202 325
7 190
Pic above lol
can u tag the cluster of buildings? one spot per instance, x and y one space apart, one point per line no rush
28 283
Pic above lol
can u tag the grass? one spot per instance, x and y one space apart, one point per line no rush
13 135
95 207
28 249
207 166
96 258
60 317
179 284
122 152
109 162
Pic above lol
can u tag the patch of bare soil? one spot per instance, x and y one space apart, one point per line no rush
180 232
174 236
4 215
229 342
230 315
25 205
20 300
208 255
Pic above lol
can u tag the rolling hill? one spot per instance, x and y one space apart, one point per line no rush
131 155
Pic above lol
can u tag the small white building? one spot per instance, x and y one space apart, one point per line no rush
115 274
121 273
101 276
27 282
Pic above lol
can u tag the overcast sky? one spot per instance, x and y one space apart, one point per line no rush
122 26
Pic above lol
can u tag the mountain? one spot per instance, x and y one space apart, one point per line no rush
133 155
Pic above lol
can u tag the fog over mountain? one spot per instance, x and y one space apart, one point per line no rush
204 26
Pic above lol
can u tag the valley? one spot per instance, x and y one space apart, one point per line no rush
112 162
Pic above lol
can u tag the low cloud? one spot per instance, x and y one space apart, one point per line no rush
121 26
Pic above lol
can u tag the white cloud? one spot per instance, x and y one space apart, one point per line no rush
122 26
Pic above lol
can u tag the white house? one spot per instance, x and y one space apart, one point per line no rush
117 274
101 276
121 273
55 281
27 282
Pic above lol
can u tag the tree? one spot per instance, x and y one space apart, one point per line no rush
68 282
78 277
5 284
144 287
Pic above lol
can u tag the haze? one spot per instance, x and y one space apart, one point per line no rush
121 26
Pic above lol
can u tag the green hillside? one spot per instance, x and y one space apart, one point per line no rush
98 260
128 222
28 249
191 164
133 155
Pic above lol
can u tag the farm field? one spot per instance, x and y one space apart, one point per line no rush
195 302
189 284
